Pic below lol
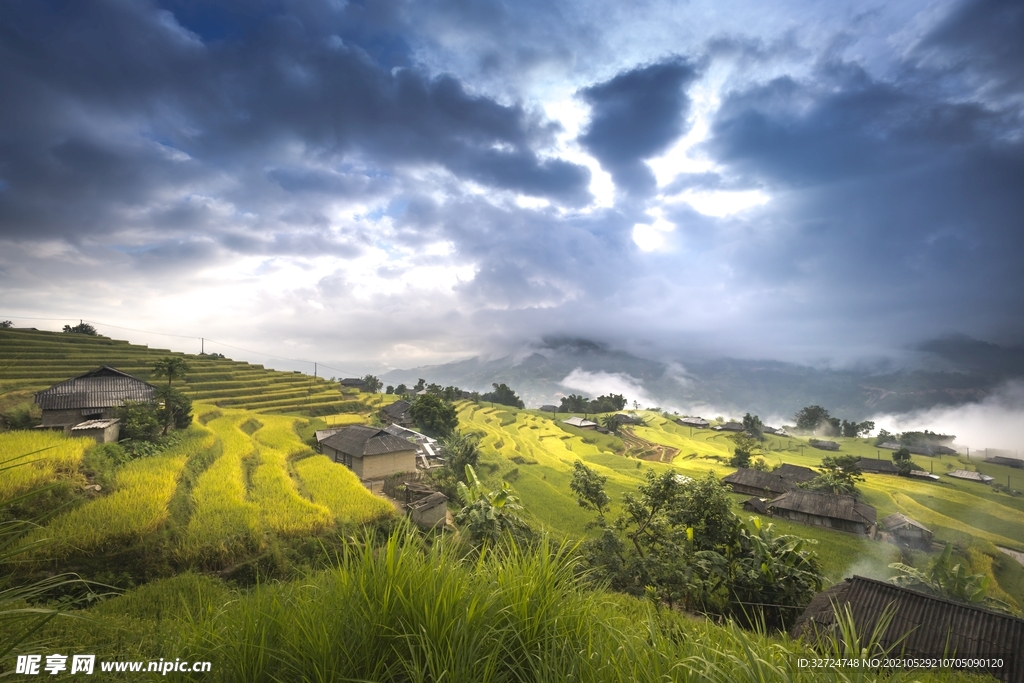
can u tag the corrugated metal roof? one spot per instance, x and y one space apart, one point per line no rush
929 626
825 505
322 434
95 424
579 422
102 388
970 476
398 410
360 440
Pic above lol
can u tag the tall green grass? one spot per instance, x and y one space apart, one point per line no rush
30 459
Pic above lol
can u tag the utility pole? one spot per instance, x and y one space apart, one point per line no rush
314 369
202 346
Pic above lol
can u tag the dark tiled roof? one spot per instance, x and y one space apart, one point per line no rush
824 445
756 504
397 410
825 505
353 382
360 440
898 521
763 481
732 427
429 501
929 626
796 473
102 388
878 466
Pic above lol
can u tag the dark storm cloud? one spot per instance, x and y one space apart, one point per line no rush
894 201
635 116
114 105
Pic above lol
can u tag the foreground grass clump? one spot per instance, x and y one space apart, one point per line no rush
31 459
399 612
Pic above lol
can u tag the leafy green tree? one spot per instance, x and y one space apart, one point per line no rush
420 384
6 324
390 389
81 328
809 419
607 404
460 449
176 410
753 426
901 459
574 403
503 395
837 474
588 486
372 384
745 444
401 390
140 421
171 367
434 415
488 515
883 436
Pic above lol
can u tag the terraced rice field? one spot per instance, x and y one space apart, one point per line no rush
32 360
30 459
535 453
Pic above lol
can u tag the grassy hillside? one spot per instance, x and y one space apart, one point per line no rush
32 360
535 454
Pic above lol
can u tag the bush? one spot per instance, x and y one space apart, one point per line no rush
139 421
177 409
81 328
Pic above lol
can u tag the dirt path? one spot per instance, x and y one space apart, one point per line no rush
1019 556
646 450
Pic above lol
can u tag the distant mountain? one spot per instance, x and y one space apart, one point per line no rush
963 371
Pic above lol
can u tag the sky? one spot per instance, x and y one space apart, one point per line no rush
390 184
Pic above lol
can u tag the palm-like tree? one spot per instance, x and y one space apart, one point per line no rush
170 367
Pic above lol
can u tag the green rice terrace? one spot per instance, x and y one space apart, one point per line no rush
31 360
238 544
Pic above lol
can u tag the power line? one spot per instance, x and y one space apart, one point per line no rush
185 336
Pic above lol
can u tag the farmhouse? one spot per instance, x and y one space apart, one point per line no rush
428 452
824 445
548 409
795 473
970 476
95 395
755 504
844 513
580 423
398 413
1007 461
922 625
695 422
353 383
756 483
908 531
773 430
877 466
370 452
729 427
622 419
104 431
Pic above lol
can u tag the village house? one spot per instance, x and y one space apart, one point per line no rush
843 513
548 409
795 473
428 451
773 430
922 625
353 383
877 466
695 422
1006 461
580 423
426 507
824 445
757 483
755 504
93 397
623 419
907 531
370 452
729 427
398 413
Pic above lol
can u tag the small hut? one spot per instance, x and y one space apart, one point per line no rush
104 431
695 422
824 445
795 473
729 427
908 531
398 413
970 476
755 504
96 395
580 423
877 466
429 511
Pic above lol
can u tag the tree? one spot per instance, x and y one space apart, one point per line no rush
81 328
373 384
434 415
6 325
810 418
488 515
883 436
588 486
502 394
744 449
838 474
608 404
420 384
140 421
176 410
171 367
401 390
389 390
947 580
574 403
901 459
460 450
752 425
855 429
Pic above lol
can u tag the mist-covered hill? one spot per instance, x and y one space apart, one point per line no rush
951 372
